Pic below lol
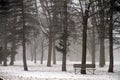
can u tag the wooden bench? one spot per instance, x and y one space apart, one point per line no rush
88 67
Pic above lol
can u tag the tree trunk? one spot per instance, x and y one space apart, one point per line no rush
35 54
35 58
54 52
84 41
111 38
50 37
31 47
102 33
24 52
13 53
93 45
65 36
5 54
5 45
13 49
24 39
0 61
55 22
102 53
42 46
94 23
64 62
49 51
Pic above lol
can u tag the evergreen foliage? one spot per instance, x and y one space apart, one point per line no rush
60 46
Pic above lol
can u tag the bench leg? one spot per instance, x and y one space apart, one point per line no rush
75 70
93 71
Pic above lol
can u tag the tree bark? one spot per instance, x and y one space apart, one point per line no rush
84 46
54 52
24 38
55 22
35 54
64 62
65 36
13 53
42 46
102 33
49 51
102 53
111 62
50 37
84 40
4 45
31 47
5 54
93 36
93 45
13 49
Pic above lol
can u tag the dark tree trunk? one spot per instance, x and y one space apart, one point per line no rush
55 22
49 50
93 46
84 40
101 31
64 62
54 52
65 36
111 38
35 54
23 38
13 49
102 53
5 54
24 52
0 61
93 40
42 52
5 45
50 37
31 47
13 53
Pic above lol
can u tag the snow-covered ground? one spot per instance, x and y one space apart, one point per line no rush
41 72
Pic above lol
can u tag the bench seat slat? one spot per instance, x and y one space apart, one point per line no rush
84 65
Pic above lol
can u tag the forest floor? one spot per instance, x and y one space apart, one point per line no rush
39 71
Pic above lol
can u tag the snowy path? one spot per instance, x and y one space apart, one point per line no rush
41 72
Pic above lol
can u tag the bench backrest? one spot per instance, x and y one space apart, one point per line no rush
84 65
